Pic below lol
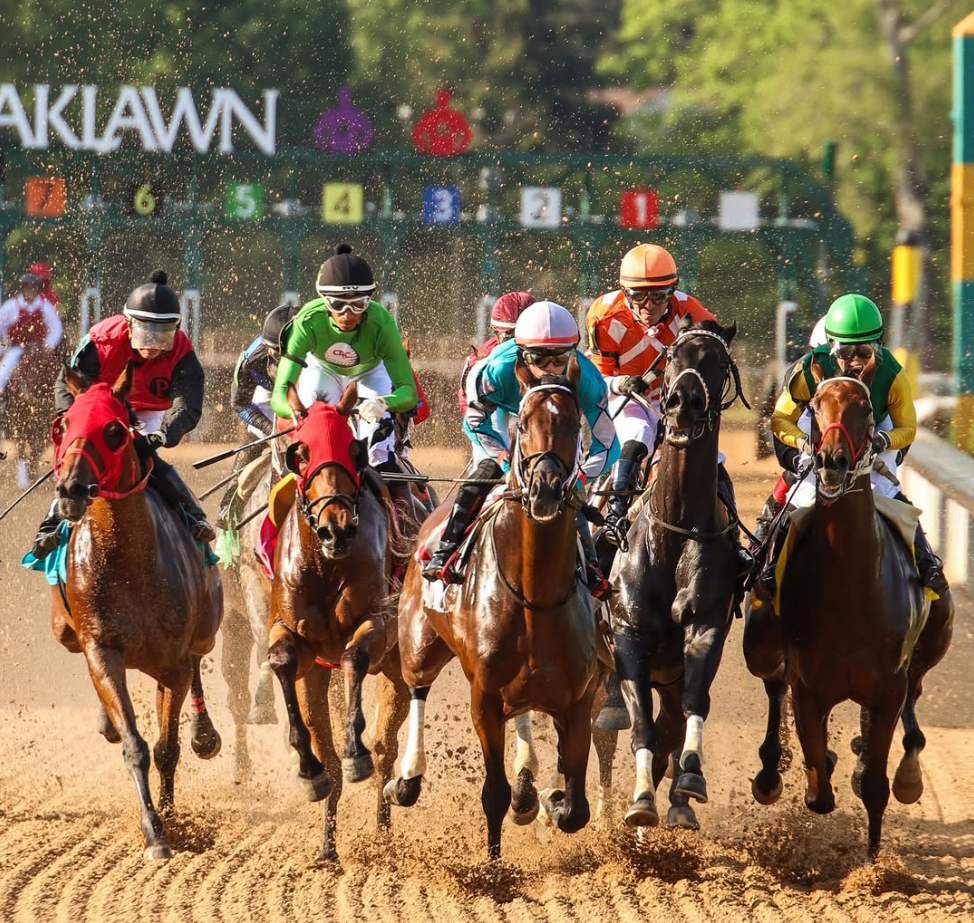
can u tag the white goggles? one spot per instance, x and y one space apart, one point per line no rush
146 335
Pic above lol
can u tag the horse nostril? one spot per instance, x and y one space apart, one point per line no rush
842 461
325 535
820 459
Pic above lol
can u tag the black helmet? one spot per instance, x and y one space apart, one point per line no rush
274 324
154 303
345 272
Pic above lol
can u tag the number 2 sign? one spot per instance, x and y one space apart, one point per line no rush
541 207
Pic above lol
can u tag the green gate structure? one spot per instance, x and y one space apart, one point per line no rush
384 195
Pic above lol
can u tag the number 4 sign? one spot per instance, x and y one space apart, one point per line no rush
540 207
341 203
243 201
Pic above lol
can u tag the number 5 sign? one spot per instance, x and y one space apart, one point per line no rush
243 201
540 207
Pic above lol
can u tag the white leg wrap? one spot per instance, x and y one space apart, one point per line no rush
694 739
644 772
414 757
526 758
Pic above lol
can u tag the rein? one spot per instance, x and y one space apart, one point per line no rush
308 507
693 533
96 490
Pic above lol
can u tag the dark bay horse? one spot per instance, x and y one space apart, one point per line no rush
137 595
521 625
676 586
333 605
853 622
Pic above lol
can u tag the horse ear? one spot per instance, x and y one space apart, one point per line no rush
574 371
359 453
123 384
818 373
75 380
294 402
522 374
868 371
728 333
296 457
349 399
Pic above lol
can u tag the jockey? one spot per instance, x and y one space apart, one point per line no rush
545 338
250 393
344 337
628 329
854 329
166 395
43 272
503 316
28 319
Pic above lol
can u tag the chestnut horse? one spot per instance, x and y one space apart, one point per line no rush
332 605
676 586
852 623
137 595
521 625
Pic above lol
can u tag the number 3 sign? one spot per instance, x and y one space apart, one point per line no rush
441 205
540 207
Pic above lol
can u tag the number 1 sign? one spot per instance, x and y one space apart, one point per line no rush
639 208
541 207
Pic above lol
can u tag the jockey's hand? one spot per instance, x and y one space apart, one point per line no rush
880 443
804 446
503 460
156 440
804 464
372 409
633 384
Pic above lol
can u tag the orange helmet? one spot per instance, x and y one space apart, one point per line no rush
647 266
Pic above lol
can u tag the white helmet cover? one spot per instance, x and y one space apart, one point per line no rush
546 325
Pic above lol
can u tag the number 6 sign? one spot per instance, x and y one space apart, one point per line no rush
540 207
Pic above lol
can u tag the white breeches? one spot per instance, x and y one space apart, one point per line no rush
317 383
501 421
634 422
8 362
803 494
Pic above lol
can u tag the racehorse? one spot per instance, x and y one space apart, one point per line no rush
523 629
852 622
137 595
675 589
332 607
25 403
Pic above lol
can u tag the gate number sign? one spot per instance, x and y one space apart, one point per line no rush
341 203
541 207
639 208
243 201
45 196
441 205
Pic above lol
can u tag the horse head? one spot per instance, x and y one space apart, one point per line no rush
545 458
700 380
327 459
842 430
93 445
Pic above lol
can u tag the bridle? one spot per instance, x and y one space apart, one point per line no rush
524 467
862 457
730 387
312 509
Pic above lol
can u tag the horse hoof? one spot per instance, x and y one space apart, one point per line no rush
318 788
856 782
327 856
403 792
262 714
107 729
551 802
357 768
524 818
764 793
207 745
159 851
643 812
821 805
692 785
856 746
681 815
908 782
613 719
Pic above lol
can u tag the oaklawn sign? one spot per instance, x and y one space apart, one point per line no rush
72 115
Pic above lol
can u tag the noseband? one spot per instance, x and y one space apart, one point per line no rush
524 467
312 509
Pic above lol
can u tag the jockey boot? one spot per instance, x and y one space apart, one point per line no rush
229 510
725 491
171 487
625 473
46 539
766 584
929 566
598 586
469 499
767 516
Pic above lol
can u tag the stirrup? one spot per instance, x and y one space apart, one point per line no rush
616 529
441 568
931 572
202 531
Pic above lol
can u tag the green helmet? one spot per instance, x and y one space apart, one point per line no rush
853 319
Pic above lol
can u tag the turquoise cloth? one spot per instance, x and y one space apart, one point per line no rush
54 565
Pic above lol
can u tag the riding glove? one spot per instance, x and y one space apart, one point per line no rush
632 384
880 443
372 409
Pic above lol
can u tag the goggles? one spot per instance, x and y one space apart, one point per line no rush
543 359
356 305
847 351
653 295
148 335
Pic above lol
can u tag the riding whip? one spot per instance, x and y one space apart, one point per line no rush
30 489
221 483
645 377
229 453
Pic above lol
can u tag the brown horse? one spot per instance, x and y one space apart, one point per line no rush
676 586
523 628
137 595
852 624
24 402
332 605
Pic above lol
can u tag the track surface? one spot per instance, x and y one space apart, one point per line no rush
70 848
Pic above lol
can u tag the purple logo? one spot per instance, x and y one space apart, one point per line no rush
343 129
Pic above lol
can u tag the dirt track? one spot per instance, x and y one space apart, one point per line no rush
70 848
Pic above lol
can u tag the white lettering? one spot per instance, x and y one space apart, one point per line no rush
16 117
47 116
89 139
128 115
262 137
184 110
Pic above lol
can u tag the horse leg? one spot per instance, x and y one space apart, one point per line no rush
169 704
255 604
392 706
364 649
876 743
524 800
203 736
632 667
810 724
606 743
703 646
487 712
404 790
107 669
313 700
106 728
766 786
671 729
234 664
288 655
574 743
